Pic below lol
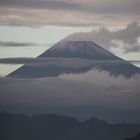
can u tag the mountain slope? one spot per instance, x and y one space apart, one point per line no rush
79 49
76 57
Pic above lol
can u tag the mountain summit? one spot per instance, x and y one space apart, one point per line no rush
75 57
79 49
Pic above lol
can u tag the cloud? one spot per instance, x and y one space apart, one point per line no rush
88 13
92 6
16 44
134 61
93 90
126 39
43 4
72 62
17 60
29 61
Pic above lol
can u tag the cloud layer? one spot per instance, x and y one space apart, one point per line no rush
15 44
93 93
127 39
66 13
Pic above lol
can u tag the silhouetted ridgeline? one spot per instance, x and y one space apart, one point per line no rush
57 127
137 137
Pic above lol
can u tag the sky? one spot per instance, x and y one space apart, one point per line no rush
29 27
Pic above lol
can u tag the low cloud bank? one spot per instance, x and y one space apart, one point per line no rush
92 89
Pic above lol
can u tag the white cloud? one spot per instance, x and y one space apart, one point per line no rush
126 40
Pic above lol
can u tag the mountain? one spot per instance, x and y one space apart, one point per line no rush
76 57
58 127
79 49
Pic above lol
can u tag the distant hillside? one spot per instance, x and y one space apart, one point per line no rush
57 127
137 137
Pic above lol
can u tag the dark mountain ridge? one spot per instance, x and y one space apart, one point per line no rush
137 137
55 127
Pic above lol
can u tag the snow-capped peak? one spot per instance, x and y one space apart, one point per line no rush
80 49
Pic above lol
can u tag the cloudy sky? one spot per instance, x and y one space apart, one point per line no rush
66 13
29 27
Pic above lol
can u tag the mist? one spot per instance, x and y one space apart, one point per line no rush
83 95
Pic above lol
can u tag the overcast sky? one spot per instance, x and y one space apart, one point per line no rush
41 22
66 13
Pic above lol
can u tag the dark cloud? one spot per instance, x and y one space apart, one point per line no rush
43 4
88 13
16 44
50 60
17 60
82 6
125 39
29 61
91 90
134 61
